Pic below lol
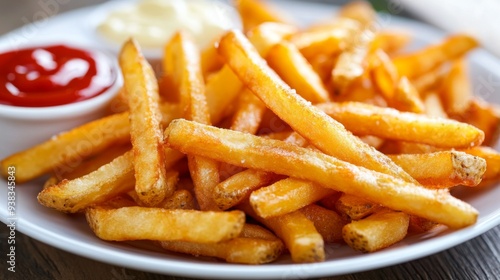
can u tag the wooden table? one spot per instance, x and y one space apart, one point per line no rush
478 258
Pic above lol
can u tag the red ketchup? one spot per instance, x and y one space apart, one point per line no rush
53 75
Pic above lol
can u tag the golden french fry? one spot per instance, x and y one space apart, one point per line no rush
210 59
492 158
443 169
360 11
327 222
297 232
326 40
293 68
420 62
485 117
362 235
429 81
249 114
145 128
255 245
286 196
164 224
406 97
184 68
434 106
333 138
384 75
237 187
392 124
60 153
106 182
353 207
456 91
390 41
263 36
255 12
283 158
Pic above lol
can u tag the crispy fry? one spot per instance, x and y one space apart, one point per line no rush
163 224
286 196
106 182
390 41
406 97
492 159
327 222
255 12
352 207
145 128
60 153
183 65
420 62
392 124
248 116
434 106
283 158
237 187
326 40
456 91
255 245
282 100
391 227
485 117
297 232
384 75
294 69
210 59
443 169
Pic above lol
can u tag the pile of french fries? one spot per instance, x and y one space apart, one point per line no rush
277 140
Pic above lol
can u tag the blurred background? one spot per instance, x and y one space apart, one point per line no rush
14 14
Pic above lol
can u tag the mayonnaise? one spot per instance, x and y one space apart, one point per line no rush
153 22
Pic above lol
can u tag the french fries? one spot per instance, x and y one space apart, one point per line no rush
162 224
248 151
388 123
316 135
145 129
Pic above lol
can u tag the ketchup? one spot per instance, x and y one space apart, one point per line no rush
53 75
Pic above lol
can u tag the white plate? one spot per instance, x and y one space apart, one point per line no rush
71 233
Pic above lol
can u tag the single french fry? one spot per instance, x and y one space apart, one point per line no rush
485 117
327 222
286 196
286 59
298 233
254 245
376 232
237 187
183 65
255 12
443 169
353 207
406 98
210 59
284 158
326 40
420 62
434 106
360 11
164 224
333 138
145 127
249 114
384 75
392 124
106 182
492 158
390 41
456 91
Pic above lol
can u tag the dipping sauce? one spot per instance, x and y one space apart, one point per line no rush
53 75
153 22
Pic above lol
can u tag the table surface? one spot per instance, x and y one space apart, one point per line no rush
478 258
